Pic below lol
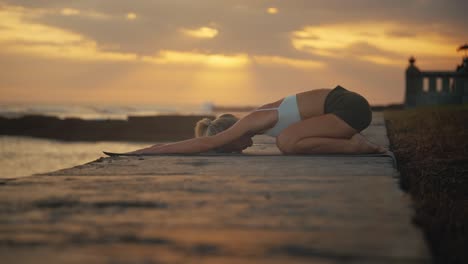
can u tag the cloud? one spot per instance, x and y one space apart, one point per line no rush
69 12
14 29
272 10
18 35
389 40
246 25
131 16
202 32
83 13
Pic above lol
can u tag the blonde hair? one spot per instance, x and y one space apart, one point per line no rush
208 127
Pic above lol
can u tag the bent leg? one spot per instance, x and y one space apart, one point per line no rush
323 134
317 145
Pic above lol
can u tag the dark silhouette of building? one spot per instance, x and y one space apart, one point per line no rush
424 87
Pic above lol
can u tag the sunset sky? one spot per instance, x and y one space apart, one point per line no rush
227 52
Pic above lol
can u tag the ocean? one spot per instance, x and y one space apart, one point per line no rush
24 156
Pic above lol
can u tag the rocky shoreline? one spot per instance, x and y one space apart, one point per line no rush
135 128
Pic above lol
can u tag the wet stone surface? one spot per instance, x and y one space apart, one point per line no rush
213 209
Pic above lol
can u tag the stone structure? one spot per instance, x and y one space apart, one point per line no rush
453 88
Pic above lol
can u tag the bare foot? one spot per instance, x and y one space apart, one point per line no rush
365 146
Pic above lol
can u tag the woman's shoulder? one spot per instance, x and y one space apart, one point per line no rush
258 121
271 105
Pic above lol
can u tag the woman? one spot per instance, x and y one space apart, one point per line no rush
311 122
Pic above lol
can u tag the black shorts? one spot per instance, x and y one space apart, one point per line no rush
350 107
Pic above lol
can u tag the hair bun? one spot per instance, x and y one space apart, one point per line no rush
202 126
208 127
206 121
227 116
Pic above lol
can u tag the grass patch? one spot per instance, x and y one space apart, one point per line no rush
431 147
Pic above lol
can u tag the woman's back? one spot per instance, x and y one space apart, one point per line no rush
294 108
287 114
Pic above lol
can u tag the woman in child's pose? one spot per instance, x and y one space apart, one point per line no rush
311 122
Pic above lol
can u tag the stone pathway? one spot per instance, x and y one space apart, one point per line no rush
213 209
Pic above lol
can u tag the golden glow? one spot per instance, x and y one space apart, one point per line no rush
69 12
381 60
191 58
272 10
296 63
192 85
202 32
222 87
334 40
131 16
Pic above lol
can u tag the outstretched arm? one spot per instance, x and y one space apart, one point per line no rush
194 145
248 124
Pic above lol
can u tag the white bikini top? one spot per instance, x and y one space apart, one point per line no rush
288 114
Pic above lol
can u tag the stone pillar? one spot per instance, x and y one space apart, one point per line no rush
413 84
432 84
446 84
432 97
